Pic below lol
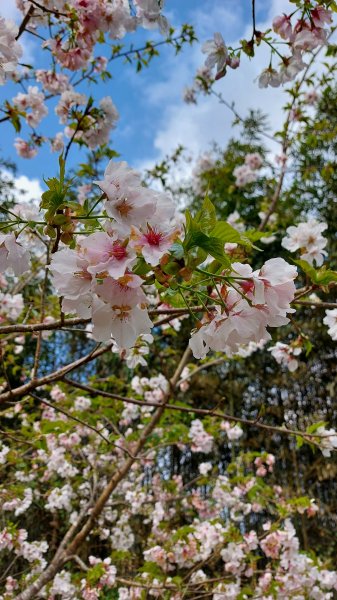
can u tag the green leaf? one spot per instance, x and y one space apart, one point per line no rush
227 234
206 217
321 276
152 568
253 235
299 441
307 268
212 245
141 268
173 299
177 250
313 428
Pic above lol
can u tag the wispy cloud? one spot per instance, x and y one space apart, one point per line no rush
197 126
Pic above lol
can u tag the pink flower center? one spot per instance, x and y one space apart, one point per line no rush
118 251
247 285
154 237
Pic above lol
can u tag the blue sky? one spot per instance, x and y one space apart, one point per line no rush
153 116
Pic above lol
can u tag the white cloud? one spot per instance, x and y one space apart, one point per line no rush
27 189
196 127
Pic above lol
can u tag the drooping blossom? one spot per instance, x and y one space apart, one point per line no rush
10 49
25 149
34 100
328 441
137 354
282 26
330 320
217 53
285 355
12 255
269 292
149 14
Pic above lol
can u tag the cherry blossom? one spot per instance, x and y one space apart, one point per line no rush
153 243
52 82
12 306
244 175
330 320
282 26
34 100
307 236
217 53
10 49
25 149
285 355
68 100
201 440
270 291
149 14
106 253
12 255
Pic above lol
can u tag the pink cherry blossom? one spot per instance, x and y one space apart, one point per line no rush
217 53
282 26
10 49
153 243
12 255
25 149
107 253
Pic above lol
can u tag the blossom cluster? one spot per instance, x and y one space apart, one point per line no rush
82 23
10 49
262 299
75 28
308 33
286 354
96 280
248 172
74 462
34 100
307 237
330 320
13 257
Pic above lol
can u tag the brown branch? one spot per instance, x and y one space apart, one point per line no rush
198 411
31 328
317 304
25 22
22 328
25 389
